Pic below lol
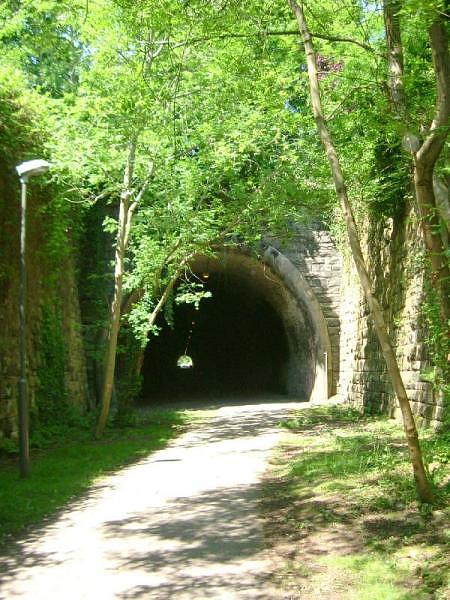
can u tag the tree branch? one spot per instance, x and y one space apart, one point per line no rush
435 140
142 190
285 32
345 40
135 202
133 297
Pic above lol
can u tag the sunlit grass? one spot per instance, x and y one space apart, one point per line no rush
341 476
372 577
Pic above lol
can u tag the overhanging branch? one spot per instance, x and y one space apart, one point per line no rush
262 34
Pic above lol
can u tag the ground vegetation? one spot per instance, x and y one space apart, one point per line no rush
341 511
66 462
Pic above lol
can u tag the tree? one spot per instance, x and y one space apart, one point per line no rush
188 210
128 203
427 151
420 477
138 113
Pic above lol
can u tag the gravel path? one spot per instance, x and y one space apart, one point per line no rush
181 524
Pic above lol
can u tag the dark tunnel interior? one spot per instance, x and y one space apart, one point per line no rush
238 346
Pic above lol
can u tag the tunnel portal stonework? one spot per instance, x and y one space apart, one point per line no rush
315 260
302 281
356 369
332 345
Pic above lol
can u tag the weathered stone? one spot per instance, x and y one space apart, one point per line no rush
39 272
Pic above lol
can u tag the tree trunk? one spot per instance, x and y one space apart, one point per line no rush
111 344
426 157
395 55
424 163
431 227
422 484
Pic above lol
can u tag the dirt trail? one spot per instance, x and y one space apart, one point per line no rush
181 524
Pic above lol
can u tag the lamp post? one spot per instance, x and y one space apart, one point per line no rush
25 171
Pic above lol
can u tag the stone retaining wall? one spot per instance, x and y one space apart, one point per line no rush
63 302
392 247
359 371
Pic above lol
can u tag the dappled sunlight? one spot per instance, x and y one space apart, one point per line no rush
342 516
181 523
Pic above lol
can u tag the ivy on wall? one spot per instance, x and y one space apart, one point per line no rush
52 405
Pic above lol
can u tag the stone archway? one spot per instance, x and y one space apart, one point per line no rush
262 332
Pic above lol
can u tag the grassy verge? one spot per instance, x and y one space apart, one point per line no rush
62 470
341 511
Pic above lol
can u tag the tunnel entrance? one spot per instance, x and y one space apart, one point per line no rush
252 337
236 341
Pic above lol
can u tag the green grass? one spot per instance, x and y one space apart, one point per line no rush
373 578
343 483
61 470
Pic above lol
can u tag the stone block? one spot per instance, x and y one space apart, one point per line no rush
438 413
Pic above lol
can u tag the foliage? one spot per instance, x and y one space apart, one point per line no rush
51 399
22 131
437 341
41 38
191 293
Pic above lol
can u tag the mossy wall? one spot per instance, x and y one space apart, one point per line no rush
56 363
393 247
56 370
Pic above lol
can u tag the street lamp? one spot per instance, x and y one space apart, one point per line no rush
25 171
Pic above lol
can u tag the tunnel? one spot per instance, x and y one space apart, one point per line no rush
251 338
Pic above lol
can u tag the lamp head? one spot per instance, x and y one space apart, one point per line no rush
32 167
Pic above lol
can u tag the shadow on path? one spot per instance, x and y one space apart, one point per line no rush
182 523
